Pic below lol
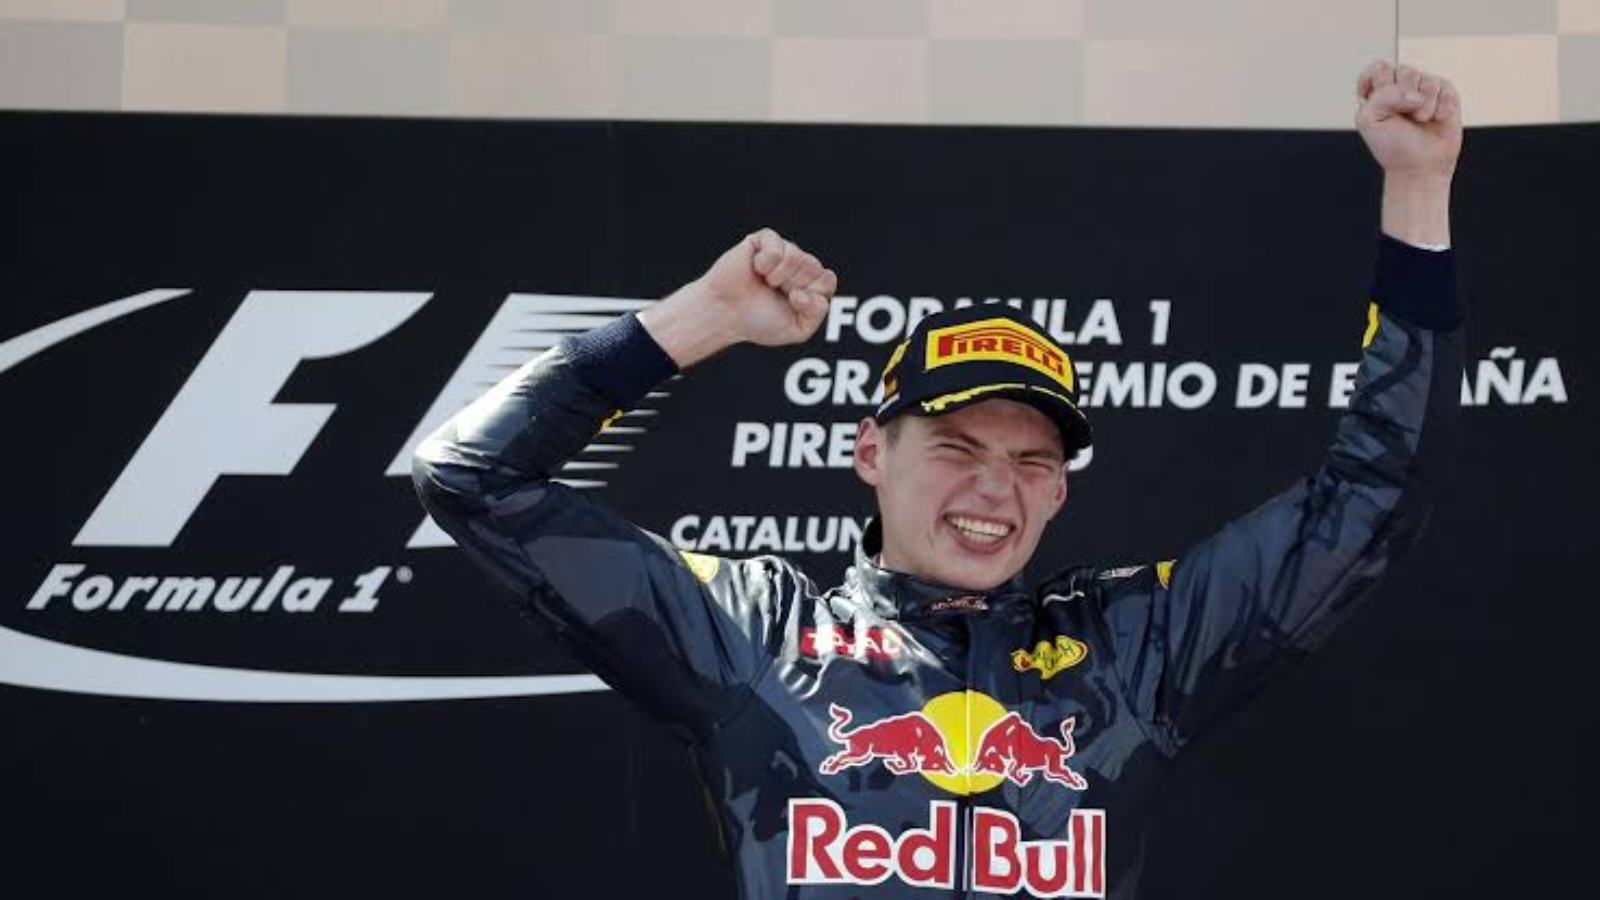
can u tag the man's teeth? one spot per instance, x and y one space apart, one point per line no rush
980 529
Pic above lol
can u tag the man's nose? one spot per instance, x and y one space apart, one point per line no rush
995 478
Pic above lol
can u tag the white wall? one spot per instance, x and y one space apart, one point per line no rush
1225 63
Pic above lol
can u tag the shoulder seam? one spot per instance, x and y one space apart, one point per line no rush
1153 735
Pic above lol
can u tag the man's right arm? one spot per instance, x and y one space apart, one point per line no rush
678 634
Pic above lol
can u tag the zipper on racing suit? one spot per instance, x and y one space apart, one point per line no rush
964 804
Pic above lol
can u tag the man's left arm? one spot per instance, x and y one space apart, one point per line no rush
1269 586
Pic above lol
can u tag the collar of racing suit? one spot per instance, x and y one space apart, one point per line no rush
905 596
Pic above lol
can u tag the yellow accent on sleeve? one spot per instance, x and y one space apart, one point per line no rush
704 567
1372 324
1164 572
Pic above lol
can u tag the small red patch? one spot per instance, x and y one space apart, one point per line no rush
837 640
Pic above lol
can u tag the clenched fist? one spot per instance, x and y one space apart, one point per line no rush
1410 119
776 292
763 290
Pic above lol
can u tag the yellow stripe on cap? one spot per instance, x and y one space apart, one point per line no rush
1372 324
937 404
1062 397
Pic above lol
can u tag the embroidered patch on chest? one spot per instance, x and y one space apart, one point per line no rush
1050 657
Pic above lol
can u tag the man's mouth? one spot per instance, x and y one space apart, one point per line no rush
982 532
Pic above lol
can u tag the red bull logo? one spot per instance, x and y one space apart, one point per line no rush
906 743
1010 747
964 742
823 848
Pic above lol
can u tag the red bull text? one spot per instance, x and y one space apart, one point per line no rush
824 848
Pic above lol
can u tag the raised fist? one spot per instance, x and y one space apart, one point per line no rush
763 290
772 291
1410 119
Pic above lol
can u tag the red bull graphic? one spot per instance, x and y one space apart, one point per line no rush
1011 747
906 743
964 742
823 848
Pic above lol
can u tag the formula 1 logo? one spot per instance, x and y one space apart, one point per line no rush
964 742
998 340
225 421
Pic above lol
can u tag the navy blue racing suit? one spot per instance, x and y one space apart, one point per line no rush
924 740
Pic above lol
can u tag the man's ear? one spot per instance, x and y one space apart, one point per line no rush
870 444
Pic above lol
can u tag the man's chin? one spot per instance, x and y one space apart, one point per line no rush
975 577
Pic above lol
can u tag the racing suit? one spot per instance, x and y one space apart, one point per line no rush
927 740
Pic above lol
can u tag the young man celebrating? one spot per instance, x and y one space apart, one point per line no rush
932 723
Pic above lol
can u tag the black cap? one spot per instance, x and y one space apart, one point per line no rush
964 356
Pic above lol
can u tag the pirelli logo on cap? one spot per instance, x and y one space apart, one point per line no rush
998 340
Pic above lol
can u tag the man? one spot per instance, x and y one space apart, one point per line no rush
932 723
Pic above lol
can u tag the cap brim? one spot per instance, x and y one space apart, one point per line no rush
1075 431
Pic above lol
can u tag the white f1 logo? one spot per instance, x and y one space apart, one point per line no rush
223 421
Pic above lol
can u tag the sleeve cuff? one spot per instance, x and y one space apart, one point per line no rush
620 361
1417 284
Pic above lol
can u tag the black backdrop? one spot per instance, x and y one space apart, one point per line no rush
1443 738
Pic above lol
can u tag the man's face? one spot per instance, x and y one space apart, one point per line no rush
964 497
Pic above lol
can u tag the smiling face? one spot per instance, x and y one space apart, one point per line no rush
964 497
